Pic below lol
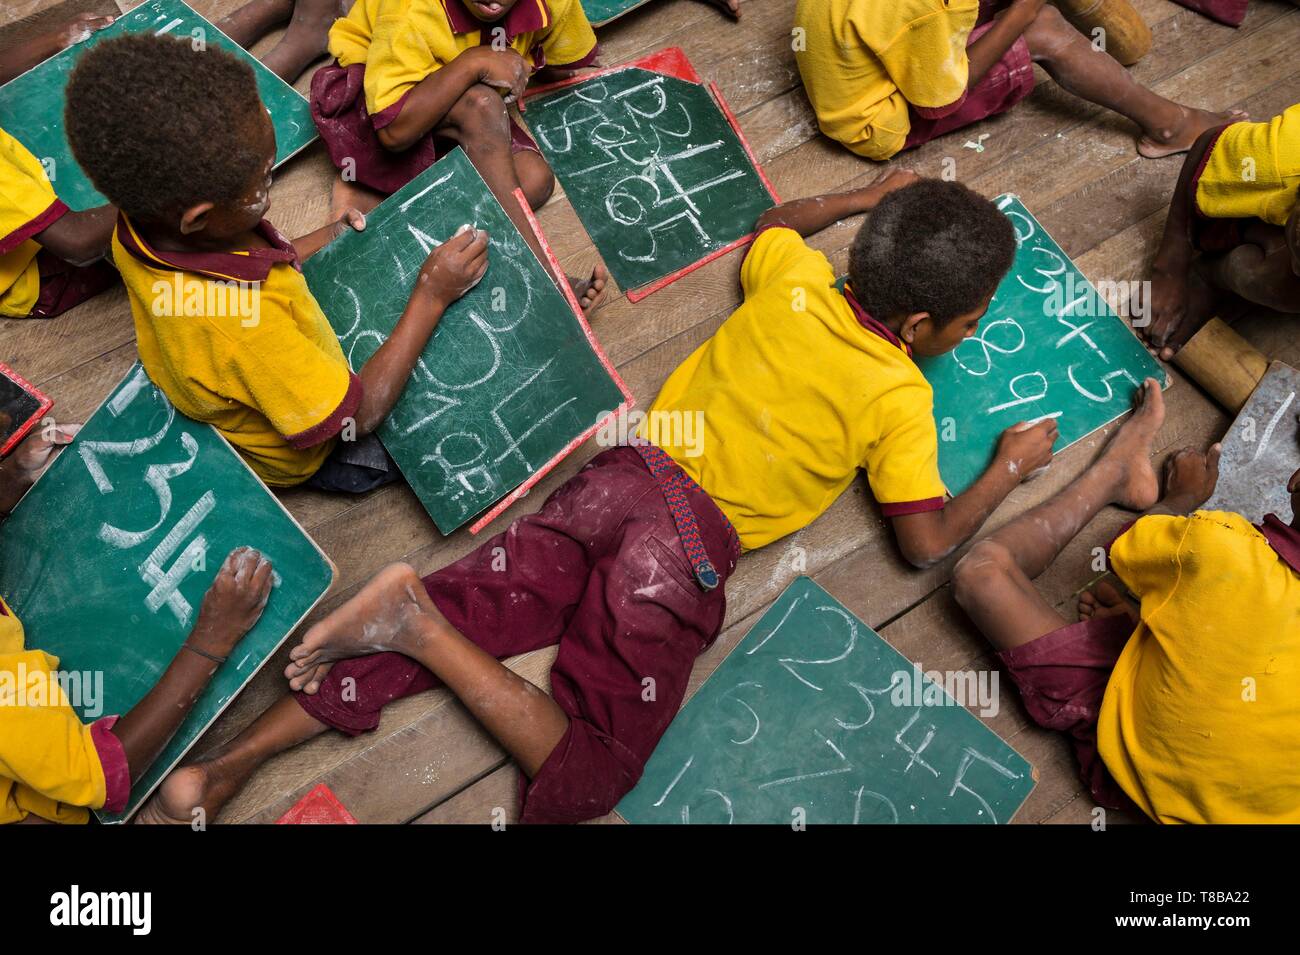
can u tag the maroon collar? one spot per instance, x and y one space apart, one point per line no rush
1282 538
873 325
253 265
527 16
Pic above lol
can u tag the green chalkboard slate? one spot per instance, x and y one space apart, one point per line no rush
511 380
813 710
652 165
600 12
108 557
1050 346
31 105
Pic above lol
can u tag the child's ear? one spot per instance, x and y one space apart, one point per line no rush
909 330
195 218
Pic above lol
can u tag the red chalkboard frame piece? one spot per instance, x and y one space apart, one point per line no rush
319 807
46 403
672 61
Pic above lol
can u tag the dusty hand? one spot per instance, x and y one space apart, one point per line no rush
37 452
1190 478
456 266
80 28
1025 449
234 603
352 218
505 70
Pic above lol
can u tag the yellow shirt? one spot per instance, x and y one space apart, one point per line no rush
27 206
403 41
797 390
1201 718
1253 171
864 61
237 340
48 761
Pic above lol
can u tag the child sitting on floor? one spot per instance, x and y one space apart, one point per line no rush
415 78
53 768
1233 226
884 77
1188 705
624 566
49 255
191 174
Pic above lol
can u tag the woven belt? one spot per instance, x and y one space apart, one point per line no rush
674 483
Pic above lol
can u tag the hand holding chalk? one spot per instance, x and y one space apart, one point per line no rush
456 266
1025 449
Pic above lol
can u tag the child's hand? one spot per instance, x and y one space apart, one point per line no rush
1190 478
80 28
352 218
503 69
234 603
1025 448
456 266
36 453
894 180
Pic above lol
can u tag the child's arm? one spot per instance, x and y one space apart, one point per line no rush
809 216
311 243
21 58
449 272
1173 259
1006 30
433 97
930 536
231 607
80 238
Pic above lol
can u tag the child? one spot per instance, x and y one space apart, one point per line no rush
49 255
415 78
1233 226
884 77
53 768
1189 705
225 323
624 565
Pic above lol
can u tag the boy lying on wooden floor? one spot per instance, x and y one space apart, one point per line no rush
53 768
1233 227
49 255
624 565
1189 704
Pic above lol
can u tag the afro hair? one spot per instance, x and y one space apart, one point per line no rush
933 247
160 125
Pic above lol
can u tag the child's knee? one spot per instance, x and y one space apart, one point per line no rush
480 112
985 565
535 178
1049 33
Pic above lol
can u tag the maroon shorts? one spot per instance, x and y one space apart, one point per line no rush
601 571
338 105
64 286
1006 83
1231 12
1062 678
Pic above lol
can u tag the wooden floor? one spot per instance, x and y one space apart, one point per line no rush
1075 168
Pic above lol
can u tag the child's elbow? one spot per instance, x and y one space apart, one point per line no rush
391 139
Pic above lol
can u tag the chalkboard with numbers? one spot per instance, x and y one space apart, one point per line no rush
512 379
653 165
814 712
31 105
1050 346
107 558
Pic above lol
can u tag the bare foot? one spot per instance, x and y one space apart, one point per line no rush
377 619
730 7
1175 322
207 785
352 195
1179 137
1103 600
1130 449
591 291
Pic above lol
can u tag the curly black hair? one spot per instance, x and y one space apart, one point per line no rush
159 126
933 246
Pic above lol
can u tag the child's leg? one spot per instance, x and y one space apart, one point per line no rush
993 582
1260 270
303 42
1074 63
